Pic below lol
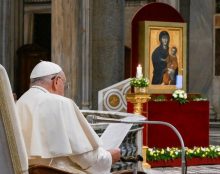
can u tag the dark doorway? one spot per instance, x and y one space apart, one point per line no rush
31 54
42 31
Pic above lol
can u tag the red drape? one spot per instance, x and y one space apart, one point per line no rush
190 119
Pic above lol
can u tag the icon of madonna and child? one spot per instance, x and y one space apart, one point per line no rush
164 60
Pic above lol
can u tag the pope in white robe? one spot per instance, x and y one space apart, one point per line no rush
55 131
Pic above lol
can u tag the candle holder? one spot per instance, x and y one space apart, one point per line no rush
145 165
138 99
140 90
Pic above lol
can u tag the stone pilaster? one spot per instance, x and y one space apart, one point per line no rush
67 42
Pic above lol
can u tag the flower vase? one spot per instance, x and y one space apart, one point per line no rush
140 90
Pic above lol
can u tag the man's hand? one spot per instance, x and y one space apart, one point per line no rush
116 154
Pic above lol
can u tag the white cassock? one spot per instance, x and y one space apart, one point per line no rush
57 134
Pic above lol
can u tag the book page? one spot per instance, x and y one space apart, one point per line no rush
115 133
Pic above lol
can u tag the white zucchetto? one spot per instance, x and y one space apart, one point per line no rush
45 68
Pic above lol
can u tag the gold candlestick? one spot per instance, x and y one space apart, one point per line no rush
145 165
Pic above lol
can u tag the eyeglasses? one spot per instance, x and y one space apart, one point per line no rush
66 85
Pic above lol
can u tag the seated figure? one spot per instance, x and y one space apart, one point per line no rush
55 131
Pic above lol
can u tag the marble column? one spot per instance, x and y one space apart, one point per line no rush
201 46
173 3
11 28
67 42
107 45
201 58
86 61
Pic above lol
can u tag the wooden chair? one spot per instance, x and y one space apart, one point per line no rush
130 172
13 158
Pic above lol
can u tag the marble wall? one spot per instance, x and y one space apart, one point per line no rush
67 43
107 32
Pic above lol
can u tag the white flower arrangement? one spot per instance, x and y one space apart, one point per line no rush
180 96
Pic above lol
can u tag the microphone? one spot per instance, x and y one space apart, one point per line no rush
128 120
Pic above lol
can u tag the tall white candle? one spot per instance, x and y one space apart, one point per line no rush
139 73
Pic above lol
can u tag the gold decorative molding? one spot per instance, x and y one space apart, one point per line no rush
145 165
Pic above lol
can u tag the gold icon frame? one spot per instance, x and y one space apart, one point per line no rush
149 39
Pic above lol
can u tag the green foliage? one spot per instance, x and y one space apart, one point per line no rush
159 98
197 97
156 154
142 82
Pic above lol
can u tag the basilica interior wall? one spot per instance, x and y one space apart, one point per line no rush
109 32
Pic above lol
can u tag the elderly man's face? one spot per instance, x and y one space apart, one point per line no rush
59 83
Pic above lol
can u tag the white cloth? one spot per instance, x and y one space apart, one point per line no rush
54 127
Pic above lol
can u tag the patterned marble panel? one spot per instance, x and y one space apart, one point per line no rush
113 98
